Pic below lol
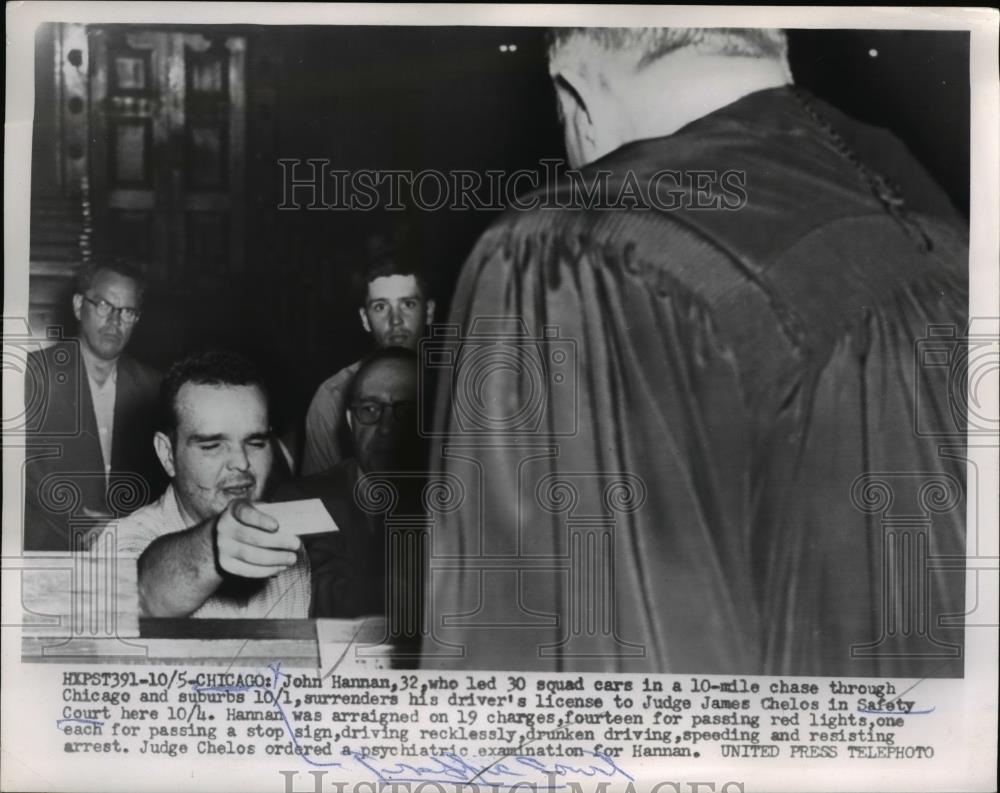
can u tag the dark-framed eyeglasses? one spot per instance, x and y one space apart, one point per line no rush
370 410
104 309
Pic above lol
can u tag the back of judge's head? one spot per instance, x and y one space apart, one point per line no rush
644 46
615 85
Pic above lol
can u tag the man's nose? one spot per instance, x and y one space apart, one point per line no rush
239 460
395 317
387 421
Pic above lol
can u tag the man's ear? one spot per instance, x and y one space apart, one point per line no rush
77 305
579 129
350 421
430 312
165 451
364 320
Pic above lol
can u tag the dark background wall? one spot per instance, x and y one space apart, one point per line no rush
450 98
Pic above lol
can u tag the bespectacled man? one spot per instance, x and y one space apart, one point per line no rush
354 569
93 435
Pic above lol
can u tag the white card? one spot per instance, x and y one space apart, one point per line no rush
307 516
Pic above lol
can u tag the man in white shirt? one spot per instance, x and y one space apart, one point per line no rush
204 549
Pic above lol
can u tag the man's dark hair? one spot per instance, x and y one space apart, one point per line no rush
402 354
384 257
212 367
87 273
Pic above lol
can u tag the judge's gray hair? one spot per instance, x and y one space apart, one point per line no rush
648 45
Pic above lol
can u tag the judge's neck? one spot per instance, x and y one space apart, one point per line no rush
687 86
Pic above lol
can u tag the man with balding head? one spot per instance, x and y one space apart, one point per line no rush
743 291
351 567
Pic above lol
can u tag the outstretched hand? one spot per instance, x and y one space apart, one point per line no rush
249 544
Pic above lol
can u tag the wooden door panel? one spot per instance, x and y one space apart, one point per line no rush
128 191
214 139
169 155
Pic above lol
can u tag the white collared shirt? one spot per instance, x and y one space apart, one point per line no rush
103 397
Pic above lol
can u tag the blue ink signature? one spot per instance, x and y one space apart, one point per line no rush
448 767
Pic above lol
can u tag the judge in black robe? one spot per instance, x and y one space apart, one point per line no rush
738 462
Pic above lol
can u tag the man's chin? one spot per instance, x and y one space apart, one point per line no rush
108 349
405 340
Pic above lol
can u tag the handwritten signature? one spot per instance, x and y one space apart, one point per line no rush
452 768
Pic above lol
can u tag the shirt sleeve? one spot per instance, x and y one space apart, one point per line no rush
320 452
133 534
324 447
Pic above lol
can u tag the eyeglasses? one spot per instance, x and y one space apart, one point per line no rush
370 411
104 309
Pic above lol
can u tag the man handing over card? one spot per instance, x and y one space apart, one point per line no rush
204 549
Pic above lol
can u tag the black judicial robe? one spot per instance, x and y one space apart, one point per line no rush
720 479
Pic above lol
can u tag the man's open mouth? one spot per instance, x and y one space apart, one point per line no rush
244 490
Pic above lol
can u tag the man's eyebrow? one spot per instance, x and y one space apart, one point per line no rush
416 294
264 435
196 438
97 297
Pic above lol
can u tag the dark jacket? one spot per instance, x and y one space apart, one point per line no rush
64 467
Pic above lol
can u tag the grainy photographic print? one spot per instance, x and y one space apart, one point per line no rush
539 398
